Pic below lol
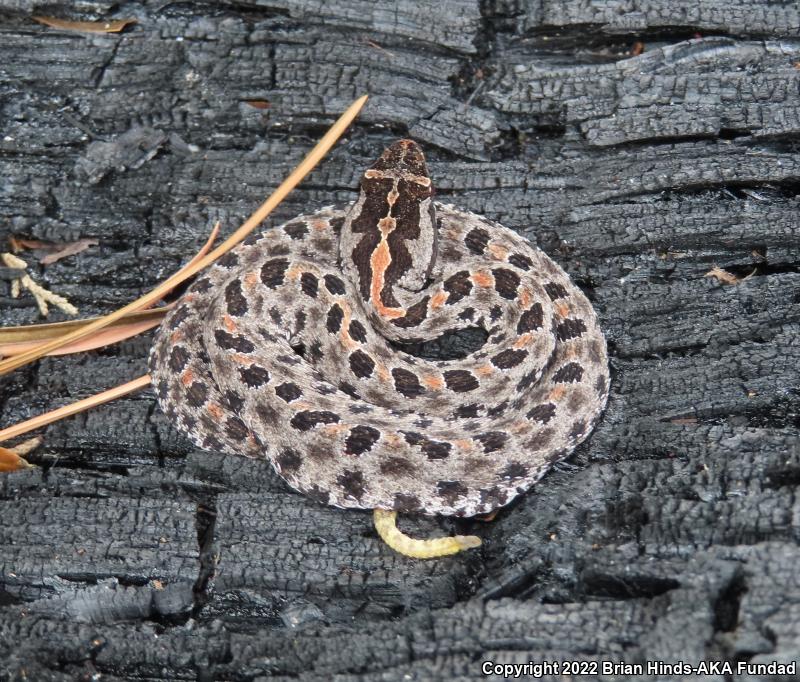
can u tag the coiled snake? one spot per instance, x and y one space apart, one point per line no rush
286 350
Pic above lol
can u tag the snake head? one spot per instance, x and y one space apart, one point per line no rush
404 157
389 240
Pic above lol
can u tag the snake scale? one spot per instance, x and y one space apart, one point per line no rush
287 350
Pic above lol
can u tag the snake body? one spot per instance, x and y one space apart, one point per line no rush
287 350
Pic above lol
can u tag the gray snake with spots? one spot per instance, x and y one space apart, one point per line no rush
286 350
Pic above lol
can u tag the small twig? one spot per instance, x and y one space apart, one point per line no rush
42 295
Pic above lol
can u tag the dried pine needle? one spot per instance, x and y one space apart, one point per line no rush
114 26
74 408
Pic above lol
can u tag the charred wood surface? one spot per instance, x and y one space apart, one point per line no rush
641 145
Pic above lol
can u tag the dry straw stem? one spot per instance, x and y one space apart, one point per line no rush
297 175
16 340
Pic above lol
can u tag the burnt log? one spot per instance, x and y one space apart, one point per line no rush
640 147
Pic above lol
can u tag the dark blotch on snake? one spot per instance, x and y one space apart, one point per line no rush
540 440
197 394
494 496
396 467
315 351
509 358
576 401
531 319
435 449
570 329
407 383
467 411
596 351
178 358
412 437
235 429
457 286
212 443
497 410
349 389
289 461
296 230
577 429
334 285
235 301
266 412
357 331
520 261
335 316
202 285
288 391
476 240
361 439
414 315
254 376
555 290
309 284
308 419
179 315
361 364
542 413
460 380
233 342
491 440
162 389
527 380
229 260
318 495
406 503
506 282
451 491
273 271
571 373
232 400
514 470
352 482
279 250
